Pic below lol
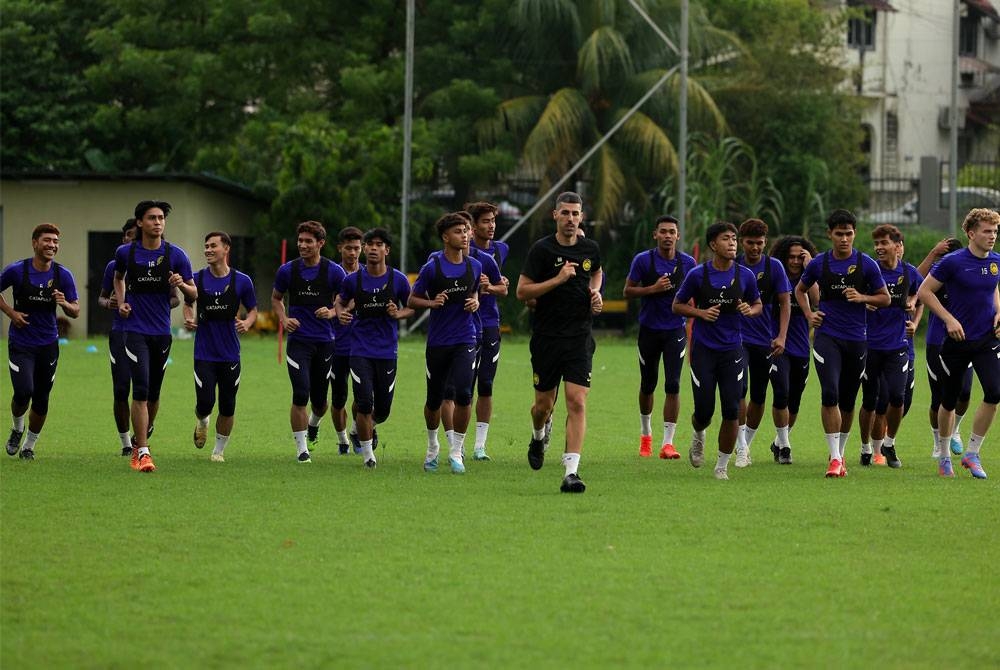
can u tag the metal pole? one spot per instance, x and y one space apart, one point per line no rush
682 139
953 127
407 136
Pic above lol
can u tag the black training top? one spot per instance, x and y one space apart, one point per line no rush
565 310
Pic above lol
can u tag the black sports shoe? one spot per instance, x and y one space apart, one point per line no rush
356 442
304 457
14 442
866 459
374 439
785 456
312 434
572 483
536 454
776 452
127 451
27 455
890 457
344 449
370 464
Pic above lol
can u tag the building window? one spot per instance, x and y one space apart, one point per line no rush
861 31
968 35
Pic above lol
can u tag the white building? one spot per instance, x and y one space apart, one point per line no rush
901 54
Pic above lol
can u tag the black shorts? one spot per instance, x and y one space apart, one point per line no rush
121 380
374 381
798 374
711 369
211 374
885 377
339 374
32 373
309 365
454 366
839 366
984 354
653 344
147 356
489 359
763 368
936 377
555 359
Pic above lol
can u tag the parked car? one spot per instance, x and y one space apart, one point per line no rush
969 197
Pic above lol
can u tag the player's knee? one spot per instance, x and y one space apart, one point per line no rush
828 398
486 389
780 401
381 414
991 396
463 398
300 398
364 405
338 400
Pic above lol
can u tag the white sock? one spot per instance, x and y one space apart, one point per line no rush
300 441
203 420
937 439
31 438
866 448
748 435
342 437
833 442
482 430
958 422
782 437
126 440
449 437
741 444
19 422
538 433
366 451
842 445
314 420
220 444
354 427
878 444
972 447
645 424
143 451
943 447
457 444
668 432
433 447
723 462
571 462
548 425
890 441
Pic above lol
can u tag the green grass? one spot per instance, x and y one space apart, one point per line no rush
262 562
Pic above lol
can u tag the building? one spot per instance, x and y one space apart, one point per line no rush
90 209
901 54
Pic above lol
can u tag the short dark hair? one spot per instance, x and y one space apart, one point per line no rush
954 244
349 233
717 229
570 197
477 209
43 229
666 218
228 241
841 217
449 221
314 228
465 215
888 230
146 205
753 228
378 234
129 225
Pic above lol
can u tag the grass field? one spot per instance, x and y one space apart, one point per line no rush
262 562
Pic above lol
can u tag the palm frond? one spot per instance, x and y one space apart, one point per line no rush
555 17
562 127
513 121
647 147
603 60
609 185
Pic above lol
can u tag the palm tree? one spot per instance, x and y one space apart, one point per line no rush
599 57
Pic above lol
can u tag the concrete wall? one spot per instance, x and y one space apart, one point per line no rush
81 206
909 74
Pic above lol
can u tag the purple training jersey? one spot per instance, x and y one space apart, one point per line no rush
971 282
147 289
32 295
450 324
374 334
723 288
842 319
307 291
219 299
656 311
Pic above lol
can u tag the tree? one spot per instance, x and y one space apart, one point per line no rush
594 60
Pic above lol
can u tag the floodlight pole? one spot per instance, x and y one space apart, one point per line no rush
407 136
953 125
682 149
